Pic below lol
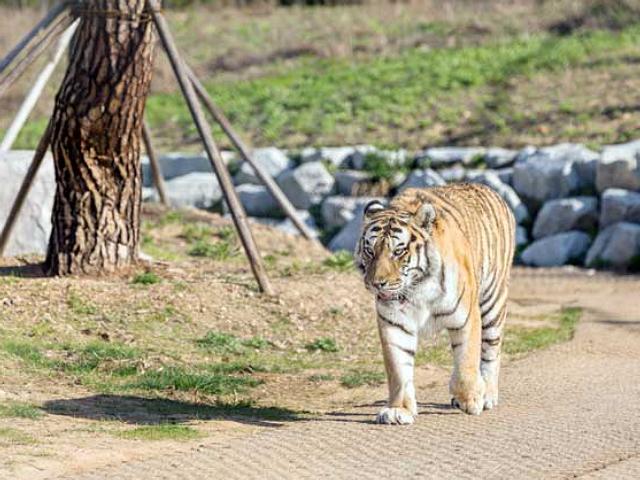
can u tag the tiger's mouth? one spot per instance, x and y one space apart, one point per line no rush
394 296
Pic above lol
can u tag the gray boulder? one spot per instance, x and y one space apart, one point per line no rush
33 226
346 180
564 214
556 250
422 179
177 164
619 206
307 185
522 238
617 246
257 201
272 160
287 225
619 167
438 157
499 157
197 189
508 194
336 156
553 172
453 174
505 175
339 210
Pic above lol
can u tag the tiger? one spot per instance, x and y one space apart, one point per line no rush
439 258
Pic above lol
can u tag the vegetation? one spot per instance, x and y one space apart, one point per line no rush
358 378
19 410
164 431
325 344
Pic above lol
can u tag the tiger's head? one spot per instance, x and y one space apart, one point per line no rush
396 252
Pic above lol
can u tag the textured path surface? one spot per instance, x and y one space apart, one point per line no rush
572 411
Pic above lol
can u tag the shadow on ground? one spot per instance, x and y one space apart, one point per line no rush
352 416
154 411
33 270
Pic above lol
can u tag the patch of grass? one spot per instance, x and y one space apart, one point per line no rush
321 377
324 344
146 278
218 342
358 378
13 436
163 431
438 354
19 410
522 340
113 358
27 352
181 379
314 101
381 167
79 305
221 250
342 261
197 232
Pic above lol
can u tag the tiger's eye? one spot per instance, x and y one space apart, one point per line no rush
398 251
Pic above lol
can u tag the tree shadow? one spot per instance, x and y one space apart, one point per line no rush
30 270
154 411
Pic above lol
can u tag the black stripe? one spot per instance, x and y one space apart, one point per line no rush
408 351
456 345
492 342
451 312
496 321
395 324
488 361
442 279
492 289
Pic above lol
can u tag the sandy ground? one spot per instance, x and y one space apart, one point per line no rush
566 411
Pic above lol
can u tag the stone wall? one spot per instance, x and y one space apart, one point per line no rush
573 205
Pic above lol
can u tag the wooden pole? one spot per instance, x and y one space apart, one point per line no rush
35 92
40 27
31 56
43 146
266 179
156 171
237 211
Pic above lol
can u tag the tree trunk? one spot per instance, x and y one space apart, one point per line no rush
97 121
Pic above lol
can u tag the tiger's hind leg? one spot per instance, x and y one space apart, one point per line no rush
492 336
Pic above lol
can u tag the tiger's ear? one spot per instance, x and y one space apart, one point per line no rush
426 216
372 208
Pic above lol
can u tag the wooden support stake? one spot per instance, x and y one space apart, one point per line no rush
156 171
40 27
264 177
32 55
43 146
35 92
237 211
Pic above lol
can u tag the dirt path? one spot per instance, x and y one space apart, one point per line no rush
569 412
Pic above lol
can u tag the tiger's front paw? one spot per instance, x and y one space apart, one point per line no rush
395 416
468 396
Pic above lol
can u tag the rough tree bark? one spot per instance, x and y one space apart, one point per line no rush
97 121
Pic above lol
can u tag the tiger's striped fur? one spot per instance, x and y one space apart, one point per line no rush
440 258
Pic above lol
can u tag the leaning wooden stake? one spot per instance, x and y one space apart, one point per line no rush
34 52
35 92
43 146
40 27
156 171
237 212
266 179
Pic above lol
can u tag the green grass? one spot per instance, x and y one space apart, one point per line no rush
341 261
13 436
164 431
192 380
321 377
19 410
523 340
221 343
358 378
222 250
324 344
316 99
146 278
79 305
